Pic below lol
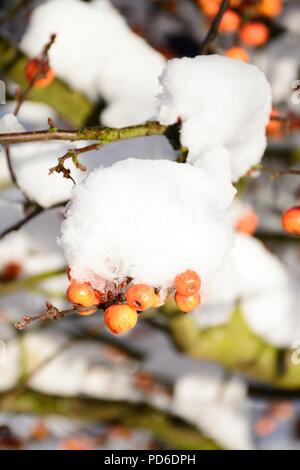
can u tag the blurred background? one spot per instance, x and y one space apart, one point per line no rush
226 376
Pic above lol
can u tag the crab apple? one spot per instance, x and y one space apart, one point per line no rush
81 293
187 303
87 312
209 7
11 270
270 8
120 318
230 22
247 223
34 68
238 53
187 283
291 220
275 127
140 297
254 33
160 299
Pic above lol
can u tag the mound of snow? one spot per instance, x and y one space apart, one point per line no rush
146 219
102 59
224 106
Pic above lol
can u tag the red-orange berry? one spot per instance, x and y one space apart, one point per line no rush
187 303
255 33
187 283
247 223
39 72
230 22
120 318
238 53
81 293
11 271
270 8
140 297
291 220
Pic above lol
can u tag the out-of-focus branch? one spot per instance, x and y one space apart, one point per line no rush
176 433
214 28
32 212
237 348
28 282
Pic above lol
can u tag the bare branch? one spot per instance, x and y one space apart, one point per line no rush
214 28
52 313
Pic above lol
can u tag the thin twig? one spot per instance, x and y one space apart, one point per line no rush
214 28
42 70
276 172
72 154
52 313
31 215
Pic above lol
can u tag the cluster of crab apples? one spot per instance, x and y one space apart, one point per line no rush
123 304
246 21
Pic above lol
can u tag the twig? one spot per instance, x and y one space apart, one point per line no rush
276 172
52 313
31 215
42 70
214 28
72 154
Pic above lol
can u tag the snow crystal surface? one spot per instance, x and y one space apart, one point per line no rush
104 58
224 106
146 219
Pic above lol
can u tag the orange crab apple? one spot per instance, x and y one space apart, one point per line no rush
255 33
82 293
247 223
291 220
230 22
187 283
270 8
187 303
120 318
140 297
238 53
35 68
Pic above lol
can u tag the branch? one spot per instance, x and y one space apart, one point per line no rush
214 28
28 282
234 346
176 433
52 313
103 135
37 210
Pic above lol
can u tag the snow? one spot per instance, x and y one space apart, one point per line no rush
257 279
149 220
216 407
105 60
224 106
